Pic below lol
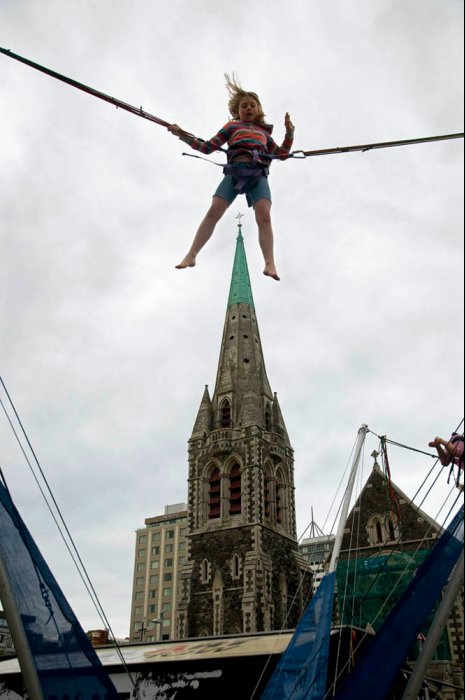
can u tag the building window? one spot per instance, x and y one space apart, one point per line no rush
152 609
268 418
214 494
140 580
154 578
382 529
155 551
282 496
142 539
168 562
153 593
236 567
225 414
168 548
167 592
142 553
156 536
267 493
167 578
155 564
279 516
235 496
169 535
138 610
141 566
139 595
205 571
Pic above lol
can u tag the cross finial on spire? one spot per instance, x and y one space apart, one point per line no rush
239 226
375 456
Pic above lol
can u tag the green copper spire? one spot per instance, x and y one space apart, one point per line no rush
240 291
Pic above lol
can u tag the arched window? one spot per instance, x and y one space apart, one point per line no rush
236 567
214 494
281 494
382 528
267 493
268 418
204 571
225 414
279 489
235 495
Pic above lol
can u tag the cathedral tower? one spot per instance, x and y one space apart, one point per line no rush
243 569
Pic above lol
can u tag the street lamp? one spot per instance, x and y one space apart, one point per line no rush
159 621
143 629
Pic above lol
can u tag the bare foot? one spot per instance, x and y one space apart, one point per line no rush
270 271
189 261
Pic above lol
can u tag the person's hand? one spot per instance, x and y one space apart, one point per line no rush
288 122
175 129
435 442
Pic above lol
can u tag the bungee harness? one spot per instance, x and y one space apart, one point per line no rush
245 174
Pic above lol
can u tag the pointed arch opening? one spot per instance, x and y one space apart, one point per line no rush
205 571
280 492
267 491
282 498
268 423
235 490
236 567
225 414
382 529
214 494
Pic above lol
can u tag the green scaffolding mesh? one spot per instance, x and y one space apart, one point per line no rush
367 590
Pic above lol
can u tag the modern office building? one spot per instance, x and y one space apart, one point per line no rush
159 554
316 550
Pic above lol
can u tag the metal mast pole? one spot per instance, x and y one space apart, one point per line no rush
348 495
28 668
440 620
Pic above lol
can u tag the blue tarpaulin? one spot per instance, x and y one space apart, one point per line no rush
302 670
66 663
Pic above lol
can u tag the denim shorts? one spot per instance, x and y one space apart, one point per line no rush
260 190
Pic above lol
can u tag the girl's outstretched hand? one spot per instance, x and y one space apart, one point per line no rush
180 133
288 122
175 129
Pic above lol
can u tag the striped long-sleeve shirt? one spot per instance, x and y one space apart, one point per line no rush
245 136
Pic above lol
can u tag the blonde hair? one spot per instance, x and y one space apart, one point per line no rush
236 95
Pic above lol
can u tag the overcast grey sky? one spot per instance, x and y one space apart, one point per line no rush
106 348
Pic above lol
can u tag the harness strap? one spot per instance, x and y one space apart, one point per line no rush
244 174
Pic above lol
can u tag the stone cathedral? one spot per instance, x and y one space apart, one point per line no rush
243 571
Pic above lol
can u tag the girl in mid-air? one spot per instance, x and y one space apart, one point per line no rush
249 154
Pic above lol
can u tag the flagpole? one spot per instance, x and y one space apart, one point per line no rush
348 495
